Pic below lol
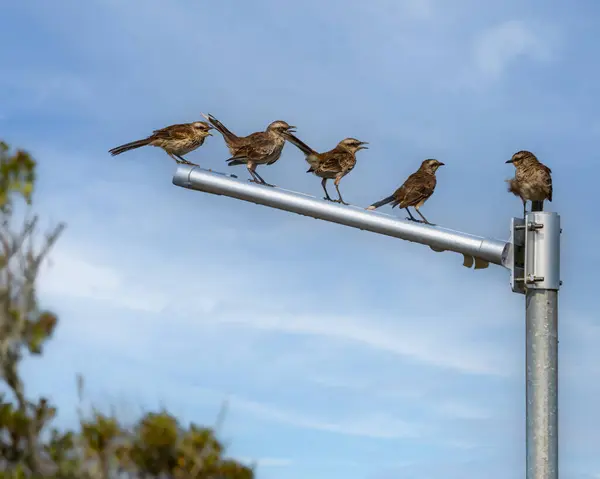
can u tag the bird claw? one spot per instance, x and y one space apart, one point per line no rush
260 182
340 201
185 162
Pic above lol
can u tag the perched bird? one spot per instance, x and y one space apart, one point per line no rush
260 148
532 181
333 164
175 140
415 191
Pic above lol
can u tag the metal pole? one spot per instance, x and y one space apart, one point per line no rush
438 238
532 256
542 279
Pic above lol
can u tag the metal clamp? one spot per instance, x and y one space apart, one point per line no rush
542 251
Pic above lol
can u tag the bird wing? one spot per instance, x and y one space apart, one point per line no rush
173 132
547 180
513 187
260 146
332 161
417 188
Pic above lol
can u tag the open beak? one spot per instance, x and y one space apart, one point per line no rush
362 145
291 129
509 161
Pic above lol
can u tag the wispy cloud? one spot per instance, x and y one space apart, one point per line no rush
72 276
376 425
503 46
413 338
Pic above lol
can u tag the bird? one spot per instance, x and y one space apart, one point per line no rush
415 191
260 148
333 164
532 181
176 140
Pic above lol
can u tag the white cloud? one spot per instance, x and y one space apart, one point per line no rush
498 47
68 274
376 425
415 338
173 288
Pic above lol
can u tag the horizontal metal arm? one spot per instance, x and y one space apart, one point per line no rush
439 239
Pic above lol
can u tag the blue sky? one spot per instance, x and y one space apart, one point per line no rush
342 353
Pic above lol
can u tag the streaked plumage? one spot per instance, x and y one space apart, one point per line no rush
415 191
532 181
176 140
260 148
333 164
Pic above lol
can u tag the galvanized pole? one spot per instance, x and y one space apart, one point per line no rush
542 282
532 256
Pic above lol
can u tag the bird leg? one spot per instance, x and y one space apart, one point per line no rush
524 208
337 187
340 199
174 157
256 177
411 217
263 181
421 215
323 184
184 161
251 166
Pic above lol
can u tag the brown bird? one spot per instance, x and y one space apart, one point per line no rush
260 148
333 164
415 191
532 181
175 140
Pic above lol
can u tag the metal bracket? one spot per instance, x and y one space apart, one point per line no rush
468 260
515 260
533 256
542 251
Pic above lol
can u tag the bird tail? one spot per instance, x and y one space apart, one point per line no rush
382 202
236 160
129 146
228 135
303 147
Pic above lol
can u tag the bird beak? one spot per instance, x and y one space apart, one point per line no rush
291 129
509 161
441 164
362 147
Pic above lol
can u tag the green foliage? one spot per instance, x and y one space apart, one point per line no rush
17 175
156 446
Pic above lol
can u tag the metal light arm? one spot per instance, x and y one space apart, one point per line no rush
475 249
